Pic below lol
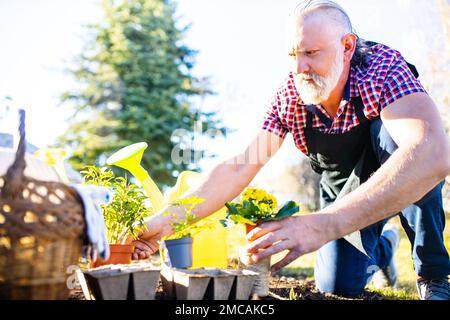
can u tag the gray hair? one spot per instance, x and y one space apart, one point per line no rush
306 7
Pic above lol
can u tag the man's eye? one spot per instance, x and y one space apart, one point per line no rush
310 53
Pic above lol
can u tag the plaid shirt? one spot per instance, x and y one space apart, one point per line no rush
385 79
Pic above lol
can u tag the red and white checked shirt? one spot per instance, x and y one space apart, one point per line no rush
385 79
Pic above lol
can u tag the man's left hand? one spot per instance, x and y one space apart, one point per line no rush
299 235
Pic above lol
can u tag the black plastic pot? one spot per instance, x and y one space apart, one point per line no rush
178 252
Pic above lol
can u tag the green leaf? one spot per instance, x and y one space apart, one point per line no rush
241 219
225 223
287 210
232 208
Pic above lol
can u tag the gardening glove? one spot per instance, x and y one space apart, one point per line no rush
93 197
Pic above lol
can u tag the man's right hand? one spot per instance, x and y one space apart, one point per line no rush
148 242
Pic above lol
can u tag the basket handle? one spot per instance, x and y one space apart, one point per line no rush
15 174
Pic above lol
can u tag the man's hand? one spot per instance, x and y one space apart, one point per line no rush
299 235
148 242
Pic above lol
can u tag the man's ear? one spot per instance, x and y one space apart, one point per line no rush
349 43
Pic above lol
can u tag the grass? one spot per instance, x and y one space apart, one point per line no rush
406 276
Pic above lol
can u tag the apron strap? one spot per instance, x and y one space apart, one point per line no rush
359 109
310 110
309 113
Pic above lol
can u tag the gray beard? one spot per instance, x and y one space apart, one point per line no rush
320 89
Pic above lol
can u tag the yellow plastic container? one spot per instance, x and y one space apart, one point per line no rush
209 246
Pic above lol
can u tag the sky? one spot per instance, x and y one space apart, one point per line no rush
242 47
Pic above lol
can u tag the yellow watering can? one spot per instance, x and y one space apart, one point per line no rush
55 158
129 158
209 247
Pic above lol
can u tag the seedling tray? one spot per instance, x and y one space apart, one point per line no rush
120 282
207 284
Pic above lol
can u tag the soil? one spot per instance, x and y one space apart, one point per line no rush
287 288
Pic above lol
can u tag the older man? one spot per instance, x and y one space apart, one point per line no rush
375 136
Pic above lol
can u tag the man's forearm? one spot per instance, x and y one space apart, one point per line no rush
402 180
222 184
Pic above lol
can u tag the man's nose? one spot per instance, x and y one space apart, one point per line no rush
302 66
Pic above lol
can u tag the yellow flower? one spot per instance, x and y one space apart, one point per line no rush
260 197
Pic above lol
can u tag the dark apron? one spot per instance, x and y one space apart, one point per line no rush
345 160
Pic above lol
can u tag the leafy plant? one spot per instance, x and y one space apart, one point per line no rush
187 226
257 205
124 214
97 176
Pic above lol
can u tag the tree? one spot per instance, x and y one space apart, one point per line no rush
135 84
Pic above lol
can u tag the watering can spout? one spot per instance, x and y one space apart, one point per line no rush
129 158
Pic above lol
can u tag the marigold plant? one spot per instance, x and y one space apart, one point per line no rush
256 206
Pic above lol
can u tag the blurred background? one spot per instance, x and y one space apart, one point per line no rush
96 75
191 78
91 80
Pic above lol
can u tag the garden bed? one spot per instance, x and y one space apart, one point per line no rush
281 287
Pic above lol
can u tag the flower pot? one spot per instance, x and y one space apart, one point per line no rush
177 253
261 284
262 268
119 254
249 227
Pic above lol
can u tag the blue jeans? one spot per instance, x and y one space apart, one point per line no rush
342 269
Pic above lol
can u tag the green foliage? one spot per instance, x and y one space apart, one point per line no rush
97 176
124 214
257 206
185 227
287 210
134 83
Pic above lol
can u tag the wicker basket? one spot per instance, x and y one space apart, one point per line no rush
41 232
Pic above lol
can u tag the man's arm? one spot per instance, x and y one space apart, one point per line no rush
229 178
421 161
223 183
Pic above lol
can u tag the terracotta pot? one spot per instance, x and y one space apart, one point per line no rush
249 227
119 254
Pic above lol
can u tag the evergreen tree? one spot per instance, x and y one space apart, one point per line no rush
135 84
